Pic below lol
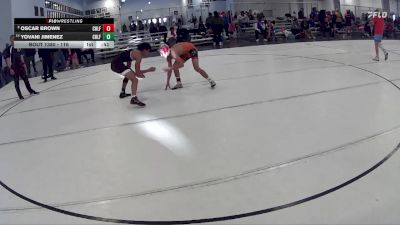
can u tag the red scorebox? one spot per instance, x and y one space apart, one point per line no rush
108 27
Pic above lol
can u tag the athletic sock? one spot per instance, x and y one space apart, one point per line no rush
124 84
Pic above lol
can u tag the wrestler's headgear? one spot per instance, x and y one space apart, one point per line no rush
164 50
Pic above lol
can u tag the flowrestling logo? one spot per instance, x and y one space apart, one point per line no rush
378 14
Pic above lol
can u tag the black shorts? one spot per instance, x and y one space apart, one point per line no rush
119 67
192 54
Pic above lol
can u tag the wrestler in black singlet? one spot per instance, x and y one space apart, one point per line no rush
118 66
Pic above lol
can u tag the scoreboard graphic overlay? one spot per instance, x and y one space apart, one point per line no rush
96 33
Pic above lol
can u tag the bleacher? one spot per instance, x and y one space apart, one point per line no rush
201 39
279 25
131 40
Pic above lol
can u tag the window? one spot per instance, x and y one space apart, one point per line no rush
36 11
63 10
41 11
386 5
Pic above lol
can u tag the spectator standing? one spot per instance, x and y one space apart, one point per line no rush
231 25
1 62
6 71
29 57
72 59
124 28
183 34
348 21
301 14
133 26
209 21
17 68
2 83
339 19
47 62
322 22
217 26
194 21
140 26
158 25
367 29
389 28
79 55
313 16
397 23
153 29
91 53
59 63
331 23
226 19
334 20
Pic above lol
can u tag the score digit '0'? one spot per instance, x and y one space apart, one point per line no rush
108 27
